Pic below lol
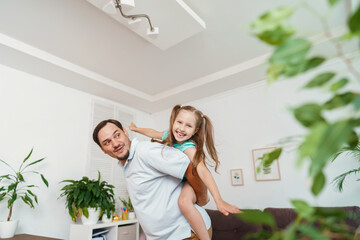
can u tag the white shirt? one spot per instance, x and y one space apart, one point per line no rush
153 176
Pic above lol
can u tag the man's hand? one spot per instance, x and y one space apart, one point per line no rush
199 187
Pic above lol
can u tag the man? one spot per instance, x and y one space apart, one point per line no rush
153 176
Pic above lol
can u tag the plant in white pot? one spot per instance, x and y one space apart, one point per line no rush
14 186
89 199
128 205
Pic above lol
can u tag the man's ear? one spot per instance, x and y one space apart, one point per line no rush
126 133
103 150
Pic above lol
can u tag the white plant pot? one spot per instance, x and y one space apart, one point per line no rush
131 215
93 216
105 219
8 228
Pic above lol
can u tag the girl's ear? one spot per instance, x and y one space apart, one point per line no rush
196 130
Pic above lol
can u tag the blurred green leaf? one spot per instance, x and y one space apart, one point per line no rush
333 2
357 102
257 217
354 20
290 232
320 80
309 114
353 139
332 139
294 69
276 36
291 52
302 208
340 100
318 183
339 84
309 145
271 19
314 62
312 232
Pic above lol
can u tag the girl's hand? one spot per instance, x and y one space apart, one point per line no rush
132 126
226 208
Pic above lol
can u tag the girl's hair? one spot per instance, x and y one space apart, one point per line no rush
205 134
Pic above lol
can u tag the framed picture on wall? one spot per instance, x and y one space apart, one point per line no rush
272 172
237 178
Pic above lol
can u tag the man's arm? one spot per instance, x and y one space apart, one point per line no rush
198 186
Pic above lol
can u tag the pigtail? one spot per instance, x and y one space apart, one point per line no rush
209 141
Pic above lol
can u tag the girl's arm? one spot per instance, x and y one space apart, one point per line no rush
151 133
205 175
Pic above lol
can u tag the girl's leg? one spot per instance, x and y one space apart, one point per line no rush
186 204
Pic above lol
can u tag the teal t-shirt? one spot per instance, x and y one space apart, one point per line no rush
181 147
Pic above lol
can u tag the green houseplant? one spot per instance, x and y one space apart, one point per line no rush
86 194
127 204
14 186
324 138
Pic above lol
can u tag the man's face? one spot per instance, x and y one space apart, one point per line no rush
114 141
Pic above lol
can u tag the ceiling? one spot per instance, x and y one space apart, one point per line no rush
75 44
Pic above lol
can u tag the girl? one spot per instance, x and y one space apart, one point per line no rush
189 130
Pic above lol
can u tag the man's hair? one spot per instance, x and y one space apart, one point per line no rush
101 125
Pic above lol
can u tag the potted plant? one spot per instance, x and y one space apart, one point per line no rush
128 205
13 187
89 199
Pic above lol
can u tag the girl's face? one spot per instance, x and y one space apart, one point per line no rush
184 126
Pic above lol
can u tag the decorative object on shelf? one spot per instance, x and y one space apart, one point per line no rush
237 177
115 218
13 187
84 194
262 170
128 208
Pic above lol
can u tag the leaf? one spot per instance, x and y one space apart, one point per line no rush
21 177
28 156
291 52
331 140
44 180
276 36
309 114
340 100
85 212
339 84
356 102
271 19
313 63
257 217
35 162
354 20
353 140
333 2
312 232
290 232
318 183
302 208
320 80
294 69
273 72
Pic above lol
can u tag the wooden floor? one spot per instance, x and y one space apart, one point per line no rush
30 237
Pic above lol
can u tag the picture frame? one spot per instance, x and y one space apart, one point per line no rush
237 177
273 170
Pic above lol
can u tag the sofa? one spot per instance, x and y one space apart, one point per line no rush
232 228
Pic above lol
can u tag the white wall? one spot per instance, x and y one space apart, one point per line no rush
55 120
256 116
